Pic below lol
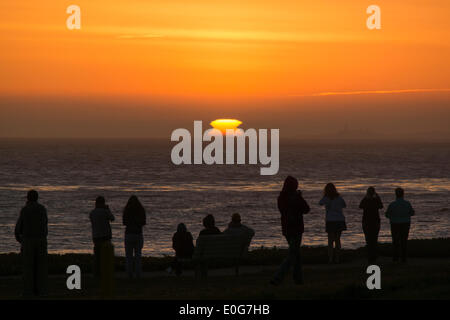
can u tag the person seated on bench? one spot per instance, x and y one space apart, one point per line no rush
183 244
210 226
235 227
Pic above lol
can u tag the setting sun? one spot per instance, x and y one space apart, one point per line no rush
224 124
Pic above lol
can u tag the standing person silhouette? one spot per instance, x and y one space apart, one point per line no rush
371 204
399 213
134 219
101 231
335 220
31 231
292 207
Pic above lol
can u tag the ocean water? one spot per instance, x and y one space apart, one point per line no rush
69 174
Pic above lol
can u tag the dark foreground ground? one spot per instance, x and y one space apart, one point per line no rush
425 276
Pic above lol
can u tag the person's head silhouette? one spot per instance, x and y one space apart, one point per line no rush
181 228
399 192
100 202
32 196
209 221
236 218
290 184
371 192
330 191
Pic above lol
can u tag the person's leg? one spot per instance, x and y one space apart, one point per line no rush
138 255
370 233
28 267
41 267
177 266
204 269
96 260
375 233
338 246
330 246
129 255
367 238
404 241
285 265
107 269
395 241
298 271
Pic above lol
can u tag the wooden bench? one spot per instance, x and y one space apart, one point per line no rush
219 247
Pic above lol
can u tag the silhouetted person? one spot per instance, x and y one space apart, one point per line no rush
101 232
292 207
31 231
210 229
183 244
335 220
134 219
235 227
399 213
210 226
371 204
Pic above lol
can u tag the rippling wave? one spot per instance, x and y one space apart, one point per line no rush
69 174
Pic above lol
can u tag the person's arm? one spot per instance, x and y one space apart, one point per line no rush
144 217
304 206
174 243
388 212
344 205
191 244
280 204
411 210
45 221
125 218
324 201
110 216
191 240
362 204
251 232
18 231
379 202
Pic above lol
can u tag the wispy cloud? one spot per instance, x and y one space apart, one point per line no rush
344 93
237 35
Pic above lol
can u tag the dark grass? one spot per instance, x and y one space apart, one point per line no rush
10 264
426 276
419 279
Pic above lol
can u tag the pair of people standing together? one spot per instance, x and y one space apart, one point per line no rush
134 218
292 207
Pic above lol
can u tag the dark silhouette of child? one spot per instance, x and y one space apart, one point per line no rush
183 244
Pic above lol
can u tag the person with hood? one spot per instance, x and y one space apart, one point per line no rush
371 204
183 244
31 232
292 207
134 219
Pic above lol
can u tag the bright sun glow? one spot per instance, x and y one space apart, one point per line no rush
224 124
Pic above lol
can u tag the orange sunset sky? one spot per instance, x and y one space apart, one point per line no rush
150 66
